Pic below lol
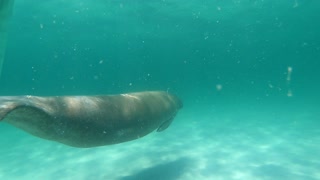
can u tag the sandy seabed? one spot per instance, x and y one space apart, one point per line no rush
200 144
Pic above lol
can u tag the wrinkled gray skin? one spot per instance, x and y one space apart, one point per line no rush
89 121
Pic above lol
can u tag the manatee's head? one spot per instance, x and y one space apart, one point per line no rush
177 103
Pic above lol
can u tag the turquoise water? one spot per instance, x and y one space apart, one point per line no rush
247 72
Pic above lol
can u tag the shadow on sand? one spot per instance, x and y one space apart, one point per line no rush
168 171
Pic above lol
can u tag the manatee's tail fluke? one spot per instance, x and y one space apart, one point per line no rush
6 7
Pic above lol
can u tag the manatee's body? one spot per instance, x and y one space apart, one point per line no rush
88 121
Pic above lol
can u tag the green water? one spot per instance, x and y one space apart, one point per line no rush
247 71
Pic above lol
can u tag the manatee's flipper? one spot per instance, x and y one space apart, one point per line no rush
6 7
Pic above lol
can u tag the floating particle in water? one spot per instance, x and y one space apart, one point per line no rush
289 73
218 87
295 4
289 94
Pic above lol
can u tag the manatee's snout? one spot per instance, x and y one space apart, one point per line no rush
178 105
177 101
